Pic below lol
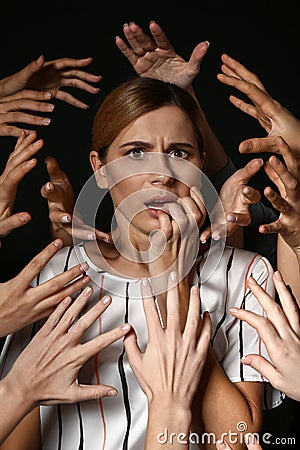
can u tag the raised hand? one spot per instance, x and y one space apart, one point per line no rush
153 56
20 162
170 368
287 178
272 116
236 197
51 76
60 197
21 304
46 372
280 332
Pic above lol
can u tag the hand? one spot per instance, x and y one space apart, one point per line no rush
13 107
46 372
60 196
280 332
154 57
170 368
50 76
273 117
287 178
22 304
20 162
175 245
235 198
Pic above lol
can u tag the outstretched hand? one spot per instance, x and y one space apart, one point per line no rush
272 116
235 198
154 57
51 76
60 197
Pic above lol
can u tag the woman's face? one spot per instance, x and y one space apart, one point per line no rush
158 151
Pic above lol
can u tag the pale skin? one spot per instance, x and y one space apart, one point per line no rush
163 131
21 304
20 162
32 87
283 132
170 368
280 332
46 372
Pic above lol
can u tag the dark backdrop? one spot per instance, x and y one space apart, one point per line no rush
264 36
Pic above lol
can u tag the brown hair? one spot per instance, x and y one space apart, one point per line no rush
132 99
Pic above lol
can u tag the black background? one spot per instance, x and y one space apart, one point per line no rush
264 36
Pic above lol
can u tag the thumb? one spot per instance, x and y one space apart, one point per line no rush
264 367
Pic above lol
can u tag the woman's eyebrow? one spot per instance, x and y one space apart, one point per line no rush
148 145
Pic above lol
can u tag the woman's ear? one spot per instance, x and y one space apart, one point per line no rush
99 170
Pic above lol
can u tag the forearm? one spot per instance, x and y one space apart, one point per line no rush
288 263
168 426
223 405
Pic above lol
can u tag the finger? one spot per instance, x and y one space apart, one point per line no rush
54 171
14 177
193 316
250 195
289 182
143 39
276 200
259 145
24 118
126 50
245 107
13 222
288 156
12 131
241 71
205 335
288 303
58 282
104 340
34 267
55 317
264 367
238 219
243 175
132 349
70 99
85 392
150 309
172 304
274 313
160 37
72 313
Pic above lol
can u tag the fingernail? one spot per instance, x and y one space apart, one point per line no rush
173 276
112 393
106 300
50 107
24 218
195 290
48 187
246 360
65 219
125 327
230 218
84 267
251 280
57 243
91 236
145 282
31 162
87 291
233 310
278 276
37 143
46 121
246 190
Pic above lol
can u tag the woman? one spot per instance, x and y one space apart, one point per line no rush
148 149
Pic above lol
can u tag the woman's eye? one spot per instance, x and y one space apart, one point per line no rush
178 154
137 153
